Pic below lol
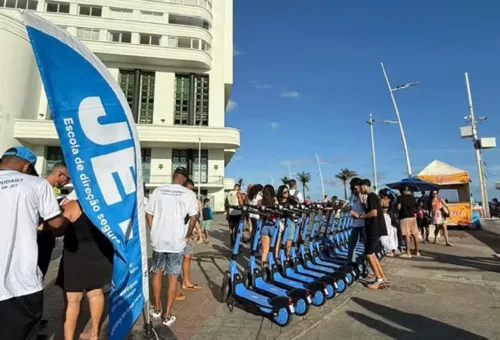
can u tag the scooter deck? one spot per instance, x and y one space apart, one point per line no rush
252 297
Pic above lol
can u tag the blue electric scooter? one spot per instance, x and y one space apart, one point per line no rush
307 259
291 268
301 262
272 272
279 308
253 277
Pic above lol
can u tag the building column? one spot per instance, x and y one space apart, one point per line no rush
192 99
136 104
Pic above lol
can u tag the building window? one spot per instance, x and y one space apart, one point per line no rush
57 7
93 11
120 13
184 42
53 155
201 103
179 159
20 4
182 98
152 16
188 21
146 165
87 33
205 46
127 84
123 37
189 160
149 39
204 167
142 102
191 104
147 97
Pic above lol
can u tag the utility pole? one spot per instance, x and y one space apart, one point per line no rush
374 162
477 148
321 177
370 122
403 138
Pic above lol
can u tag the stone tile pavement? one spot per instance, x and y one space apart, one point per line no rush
433 290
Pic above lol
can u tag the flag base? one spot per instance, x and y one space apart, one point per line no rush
155 333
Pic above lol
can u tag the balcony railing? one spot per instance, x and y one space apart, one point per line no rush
202 3
167 179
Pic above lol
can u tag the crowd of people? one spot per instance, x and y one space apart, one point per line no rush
34 217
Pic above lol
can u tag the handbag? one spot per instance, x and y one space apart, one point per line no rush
445 212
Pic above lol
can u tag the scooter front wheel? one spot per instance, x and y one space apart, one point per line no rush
301 307
282 317
319 298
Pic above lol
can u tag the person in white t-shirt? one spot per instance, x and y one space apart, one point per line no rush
23 200
357 208
294 193
167 208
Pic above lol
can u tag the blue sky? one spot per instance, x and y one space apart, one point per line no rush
307 73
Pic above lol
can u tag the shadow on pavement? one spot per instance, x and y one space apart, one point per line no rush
419 327
491 240
480 263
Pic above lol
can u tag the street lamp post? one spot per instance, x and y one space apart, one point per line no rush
321 176
372 137
403 138
477 147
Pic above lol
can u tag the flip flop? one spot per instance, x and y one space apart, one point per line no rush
192 287
181 297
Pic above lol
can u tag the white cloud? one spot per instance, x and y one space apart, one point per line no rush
231 105
236 51
289 94
259 86
274 125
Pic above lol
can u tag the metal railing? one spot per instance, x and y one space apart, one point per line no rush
207 4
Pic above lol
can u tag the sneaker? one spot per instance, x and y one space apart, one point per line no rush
379 284
417 254
169 321
155 313
405 256
387 283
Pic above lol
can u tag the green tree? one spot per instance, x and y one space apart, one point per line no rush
240 182
345 175
285 180
304 178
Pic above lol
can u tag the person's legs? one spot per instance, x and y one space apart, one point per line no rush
353 242
198 231
437 227
159 262
186 271
96 305
414 232
372 260
20 317
265 249
73 302
173 269
278 245
405 232
445 233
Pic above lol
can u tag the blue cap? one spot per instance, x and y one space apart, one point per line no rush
22 152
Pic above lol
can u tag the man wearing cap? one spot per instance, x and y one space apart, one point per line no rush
23 199
167 207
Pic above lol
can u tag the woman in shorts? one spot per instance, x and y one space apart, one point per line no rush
437 207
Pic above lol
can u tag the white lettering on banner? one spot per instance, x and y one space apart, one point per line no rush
89 112
118 162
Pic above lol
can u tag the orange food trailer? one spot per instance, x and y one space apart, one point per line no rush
448 177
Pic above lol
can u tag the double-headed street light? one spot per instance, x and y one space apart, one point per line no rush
370 122
403 138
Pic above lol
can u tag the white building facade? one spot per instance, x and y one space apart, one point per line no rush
174 62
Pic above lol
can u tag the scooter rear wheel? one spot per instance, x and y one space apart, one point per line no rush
226 286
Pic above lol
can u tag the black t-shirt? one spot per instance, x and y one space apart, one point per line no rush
375 227
408 204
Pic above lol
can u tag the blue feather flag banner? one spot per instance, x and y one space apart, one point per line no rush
101 148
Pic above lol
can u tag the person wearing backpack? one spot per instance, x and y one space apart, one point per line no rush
234 198
295 195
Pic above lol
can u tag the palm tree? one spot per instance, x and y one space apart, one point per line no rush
240 182
304 178
285 180
345 175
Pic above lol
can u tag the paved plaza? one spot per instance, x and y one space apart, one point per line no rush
448 293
